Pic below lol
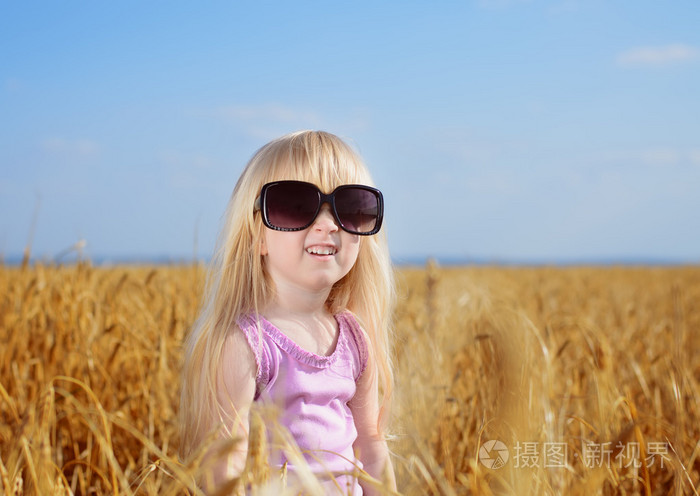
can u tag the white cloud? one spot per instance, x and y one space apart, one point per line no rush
268 120
658 55
695 157
660 157
470 152
79 148
189 171
650 158
267 112
566 7
499 4
13 85
173 158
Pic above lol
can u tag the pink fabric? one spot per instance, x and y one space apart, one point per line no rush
312 393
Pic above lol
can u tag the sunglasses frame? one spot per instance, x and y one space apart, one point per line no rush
260 204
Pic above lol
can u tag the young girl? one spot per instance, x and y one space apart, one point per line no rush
297 316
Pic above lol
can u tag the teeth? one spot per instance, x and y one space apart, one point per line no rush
321 250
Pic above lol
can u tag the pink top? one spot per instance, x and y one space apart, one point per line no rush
312 393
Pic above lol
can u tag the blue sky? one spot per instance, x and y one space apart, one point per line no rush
507 130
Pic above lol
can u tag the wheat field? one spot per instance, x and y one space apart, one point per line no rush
509 380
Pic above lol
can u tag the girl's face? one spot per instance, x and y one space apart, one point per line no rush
311 260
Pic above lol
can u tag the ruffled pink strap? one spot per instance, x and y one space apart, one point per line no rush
357 338
252 329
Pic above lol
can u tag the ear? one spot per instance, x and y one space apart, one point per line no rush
263 246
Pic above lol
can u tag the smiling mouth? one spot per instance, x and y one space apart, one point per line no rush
321 250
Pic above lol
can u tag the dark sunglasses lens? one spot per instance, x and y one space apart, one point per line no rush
357 208
291 205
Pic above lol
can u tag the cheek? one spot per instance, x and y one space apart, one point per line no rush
282 246
353 248
269 242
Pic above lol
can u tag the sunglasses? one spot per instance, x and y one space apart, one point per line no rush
294 205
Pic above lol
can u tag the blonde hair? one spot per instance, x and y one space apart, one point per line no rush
237 283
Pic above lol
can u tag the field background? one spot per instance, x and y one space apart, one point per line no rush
575 357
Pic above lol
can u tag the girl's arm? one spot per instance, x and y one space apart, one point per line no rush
235 393
370 445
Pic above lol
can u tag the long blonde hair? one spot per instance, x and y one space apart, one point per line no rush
237 284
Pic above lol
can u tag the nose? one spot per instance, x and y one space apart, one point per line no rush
325 220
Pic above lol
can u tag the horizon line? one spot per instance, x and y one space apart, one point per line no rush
401 261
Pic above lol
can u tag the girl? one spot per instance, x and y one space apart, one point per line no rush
296 315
